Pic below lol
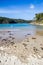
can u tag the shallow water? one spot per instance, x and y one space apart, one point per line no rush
21 30
21 26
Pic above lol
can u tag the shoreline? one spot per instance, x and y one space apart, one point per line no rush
36 24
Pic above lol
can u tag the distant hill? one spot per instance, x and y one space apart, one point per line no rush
37 19
5 20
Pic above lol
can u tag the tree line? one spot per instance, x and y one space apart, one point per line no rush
5 20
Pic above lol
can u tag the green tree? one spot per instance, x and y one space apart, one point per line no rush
39 16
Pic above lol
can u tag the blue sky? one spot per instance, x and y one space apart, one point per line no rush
20 9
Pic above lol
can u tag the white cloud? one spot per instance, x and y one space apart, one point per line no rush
32 6
13 10
9 11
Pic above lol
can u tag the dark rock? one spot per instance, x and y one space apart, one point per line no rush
42 48
24 44
0 61
33 38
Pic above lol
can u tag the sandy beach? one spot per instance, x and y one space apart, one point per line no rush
34 23
28 52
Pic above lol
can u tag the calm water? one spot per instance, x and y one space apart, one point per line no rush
20 30
20 25
24 26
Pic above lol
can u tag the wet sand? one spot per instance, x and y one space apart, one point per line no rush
27 52
39 33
